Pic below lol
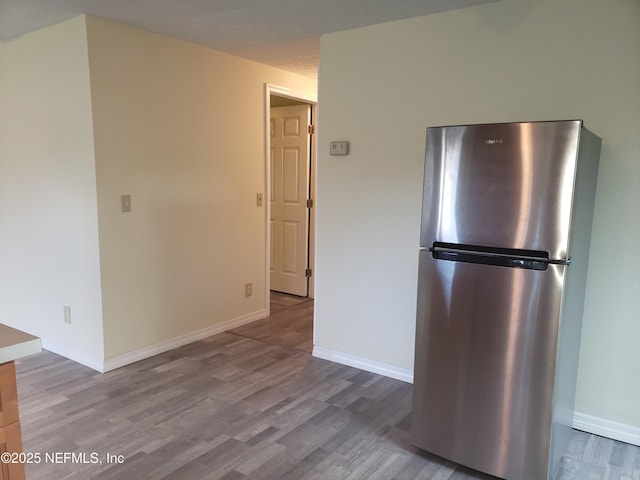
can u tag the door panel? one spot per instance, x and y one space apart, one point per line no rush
290 174
289 191
292 125
289 247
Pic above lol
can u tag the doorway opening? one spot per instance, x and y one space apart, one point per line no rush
290 150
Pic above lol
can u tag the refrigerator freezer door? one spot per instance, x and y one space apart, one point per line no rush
484 374
501 185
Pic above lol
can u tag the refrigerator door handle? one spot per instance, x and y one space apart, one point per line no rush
559 261
535 262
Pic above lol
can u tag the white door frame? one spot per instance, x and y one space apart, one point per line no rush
270 89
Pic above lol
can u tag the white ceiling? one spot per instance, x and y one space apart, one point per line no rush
282 33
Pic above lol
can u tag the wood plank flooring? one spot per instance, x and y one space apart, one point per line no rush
241 405
290 324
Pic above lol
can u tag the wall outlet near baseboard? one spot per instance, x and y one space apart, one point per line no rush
67 314
248 289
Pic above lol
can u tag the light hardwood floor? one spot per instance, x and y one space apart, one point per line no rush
250 403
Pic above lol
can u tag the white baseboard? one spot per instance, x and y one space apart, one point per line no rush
166 345
363 363
93 363
606 428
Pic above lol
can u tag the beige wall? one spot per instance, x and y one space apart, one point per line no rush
48 210
180 128
381 86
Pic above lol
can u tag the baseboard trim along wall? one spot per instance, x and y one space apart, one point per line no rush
606 428
93 363
146 352
118 361
581 421
363 363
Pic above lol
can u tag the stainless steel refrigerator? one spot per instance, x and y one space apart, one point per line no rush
506 226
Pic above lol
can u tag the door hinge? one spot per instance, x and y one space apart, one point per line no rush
307 272
309 203
312 129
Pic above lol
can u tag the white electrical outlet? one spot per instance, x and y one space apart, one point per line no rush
248 289
67 314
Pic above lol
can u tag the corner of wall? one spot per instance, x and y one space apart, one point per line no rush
49 246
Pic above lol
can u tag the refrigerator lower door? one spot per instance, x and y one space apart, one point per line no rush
485 365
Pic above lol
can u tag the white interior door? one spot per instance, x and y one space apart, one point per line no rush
289 192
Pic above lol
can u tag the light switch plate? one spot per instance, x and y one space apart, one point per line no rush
125 203
339 148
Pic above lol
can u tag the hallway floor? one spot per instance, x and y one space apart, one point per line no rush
290 324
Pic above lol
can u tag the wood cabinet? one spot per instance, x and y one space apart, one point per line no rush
10 435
